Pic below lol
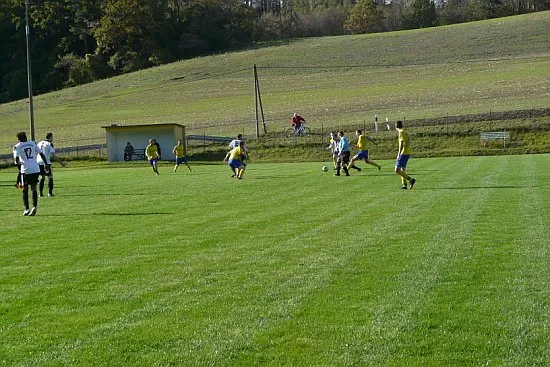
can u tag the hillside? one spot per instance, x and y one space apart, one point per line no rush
497 65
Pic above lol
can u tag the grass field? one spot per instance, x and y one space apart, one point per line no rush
495 65
288 267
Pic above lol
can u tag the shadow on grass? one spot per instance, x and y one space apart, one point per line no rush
110 194
477 187
106 214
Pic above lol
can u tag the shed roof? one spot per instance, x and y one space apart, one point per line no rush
127 127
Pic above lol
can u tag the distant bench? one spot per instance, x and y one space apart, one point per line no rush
494 135
140 153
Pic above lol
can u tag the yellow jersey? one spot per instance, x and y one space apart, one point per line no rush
151 152
179 151
362 142
403 137
236 153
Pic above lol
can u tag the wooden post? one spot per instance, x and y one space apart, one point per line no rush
261 106
256 101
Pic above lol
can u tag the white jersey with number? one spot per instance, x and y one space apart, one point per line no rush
235 143
27 152
47 149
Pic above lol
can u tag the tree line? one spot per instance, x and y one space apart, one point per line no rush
78 41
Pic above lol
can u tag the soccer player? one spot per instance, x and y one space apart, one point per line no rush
234 160
158 149
46 147
152 155
235 143
179 152
403 155
25 155
333 147
344 152
363 152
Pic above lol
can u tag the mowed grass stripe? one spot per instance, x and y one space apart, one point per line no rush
476 327
449 339
313 340
529 310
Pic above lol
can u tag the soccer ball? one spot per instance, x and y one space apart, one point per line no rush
325 168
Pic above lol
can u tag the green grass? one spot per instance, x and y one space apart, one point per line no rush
496 65
288 267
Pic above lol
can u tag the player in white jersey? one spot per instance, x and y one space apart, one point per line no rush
46 147
235 142
26 153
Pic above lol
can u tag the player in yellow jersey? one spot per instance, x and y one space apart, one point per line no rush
152 155
179 152
403 155
234 159
363 152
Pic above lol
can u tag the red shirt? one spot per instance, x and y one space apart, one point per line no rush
297 120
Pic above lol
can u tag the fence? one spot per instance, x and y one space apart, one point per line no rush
215 135
85 151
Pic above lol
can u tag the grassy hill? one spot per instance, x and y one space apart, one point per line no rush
496 65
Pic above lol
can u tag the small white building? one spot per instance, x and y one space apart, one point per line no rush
167 135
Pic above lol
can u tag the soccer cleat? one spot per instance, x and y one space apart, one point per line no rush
412 181
26 212
32 213
233 175
336 174
379 168
51 194
157 173
41 195
404 187
357 168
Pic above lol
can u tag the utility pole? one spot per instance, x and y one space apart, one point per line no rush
29 72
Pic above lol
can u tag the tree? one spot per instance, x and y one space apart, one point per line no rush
212 25
419 14
129 31
365 17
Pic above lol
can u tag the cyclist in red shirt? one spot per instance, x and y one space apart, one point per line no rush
297 121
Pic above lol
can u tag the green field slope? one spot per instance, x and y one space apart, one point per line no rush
496 65
290 266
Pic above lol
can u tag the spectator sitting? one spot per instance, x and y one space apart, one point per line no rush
128 152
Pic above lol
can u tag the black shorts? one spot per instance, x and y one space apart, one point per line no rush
344 157
43 170
30 178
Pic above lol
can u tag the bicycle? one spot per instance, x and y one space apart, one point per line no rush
301 131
